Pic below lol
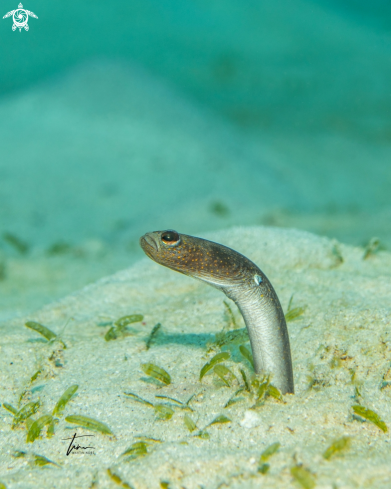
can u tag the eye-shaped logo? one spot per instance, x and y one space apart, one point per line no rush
20 17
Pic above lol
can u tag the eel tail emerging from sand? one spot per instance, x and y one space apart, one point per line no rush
243 282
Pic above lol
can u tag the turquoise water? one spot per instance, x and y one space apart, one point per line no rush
120 118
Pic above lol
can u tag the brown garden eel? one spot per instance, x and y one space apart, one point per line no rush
243 282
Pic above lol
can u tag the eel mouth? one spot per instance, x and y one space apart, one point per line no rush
149 244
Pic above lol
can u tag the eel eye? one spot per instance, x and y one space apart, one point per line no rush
170 237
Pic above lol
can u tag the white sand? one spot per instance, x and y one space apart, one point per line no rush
345 329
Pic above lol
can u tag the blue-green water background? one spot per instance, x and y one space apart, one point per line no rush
118 118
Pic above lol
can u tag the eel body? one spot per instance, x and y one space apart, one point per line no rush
243 282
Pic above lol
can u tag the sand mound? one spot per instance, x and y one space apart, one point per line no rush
341 355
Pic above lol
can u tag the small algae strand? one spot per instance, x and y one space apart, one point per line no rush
371 248
220 357
147 439
244 377
121 323
262 391
219 208
269 451
35 376
22 394
265 389
138 398
112 334
41 461
357 392
10 408
219 420
303 477
36 428
117 479
163 412
370 416
171 399
89 423
29 422
44 331
59 248
50 430
19 454
179 403
290 302
189 423
233 399
65 398
189 400
26 411
156 372
202 434
119 326
338 446
224 373
18 244
294 313
263 468
246 354
274 392
152 335
136 450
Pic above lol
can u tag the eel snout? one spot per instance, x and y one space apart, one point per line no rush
147 242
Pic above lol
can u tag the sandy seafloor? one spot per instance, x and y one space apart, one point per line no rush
345 329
